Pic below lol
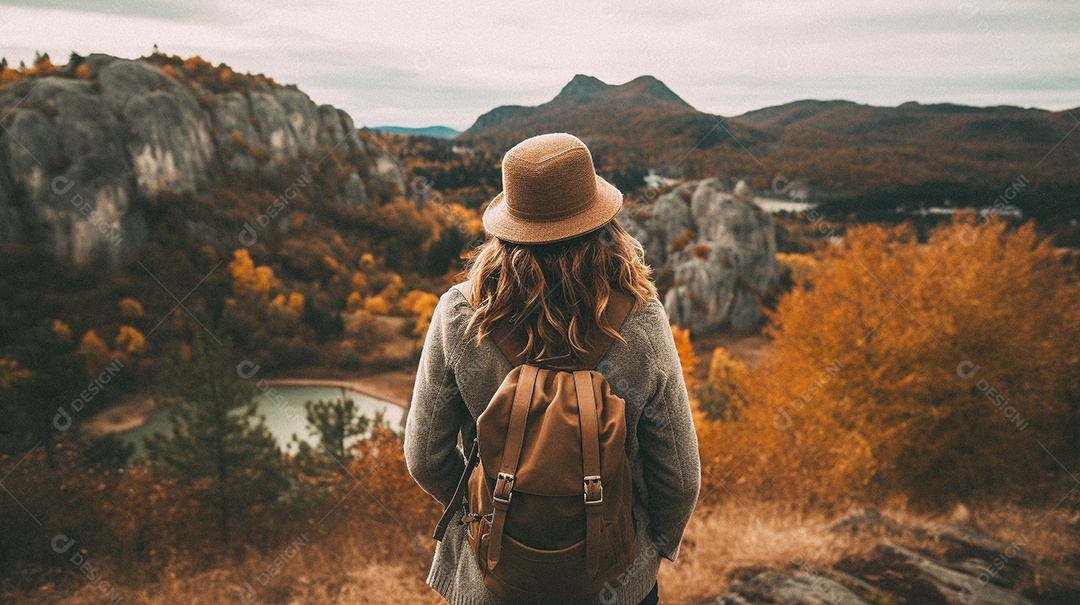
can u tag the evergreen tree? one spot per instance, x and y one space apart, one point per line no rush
334 422
216 433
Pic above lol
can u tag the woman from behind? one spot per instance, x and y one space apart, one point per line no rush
555 264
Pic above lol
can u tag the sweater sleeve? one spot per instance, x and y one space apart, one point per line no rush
437 409
669 447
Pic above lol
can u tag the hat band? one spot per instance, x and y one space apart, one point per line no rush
547 216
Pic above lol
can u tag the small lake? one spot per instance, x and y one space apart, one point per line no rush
283 407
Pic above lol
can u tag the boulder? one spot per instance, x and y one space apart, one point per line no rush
798 587
955 587
714 252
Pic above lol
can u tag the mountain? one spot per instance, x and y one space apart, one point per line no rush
876 158
583 101
439 132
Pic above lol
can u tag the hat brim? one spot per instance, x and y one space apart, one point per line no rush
503 225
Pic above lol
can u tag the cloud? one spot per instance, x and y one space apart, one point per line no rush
439 62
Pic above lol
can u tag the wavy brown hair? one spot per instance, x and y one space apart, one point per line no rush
556 293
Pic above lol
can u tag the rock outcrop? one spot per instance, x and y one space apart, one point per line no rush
713 250
78 153
966 567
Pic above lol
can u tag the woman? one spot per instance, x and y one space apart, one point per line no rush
554 256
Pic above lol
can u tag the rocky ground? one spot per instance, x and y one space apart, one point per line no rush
954 565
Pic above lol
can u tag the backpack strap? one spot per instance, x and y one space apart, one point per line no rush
459 493
590 467
515 439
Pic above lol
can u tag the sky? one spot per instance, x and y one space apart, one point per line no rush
445 62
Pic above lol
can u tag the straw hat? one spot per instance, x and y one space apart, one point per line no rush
550 192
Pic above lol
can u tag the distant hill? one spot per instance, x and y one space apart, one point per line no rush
910 155
439 132
911 122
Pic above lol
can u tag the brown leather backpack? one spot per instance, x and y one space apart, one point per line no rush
547 482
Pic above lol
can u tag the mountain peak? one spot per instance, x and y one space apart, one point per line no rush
639 91
582 87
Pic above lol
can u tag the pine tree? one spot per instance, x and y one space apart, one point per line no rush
216 432
334 422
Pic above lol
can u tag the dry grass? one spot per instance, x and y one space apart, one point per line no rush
721 542
326 570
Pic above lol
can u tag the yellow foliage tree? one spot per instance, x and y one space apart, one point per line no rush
376 305
296 303
249 278
61 329
687 358
131 308
129 341
97 352
393 289
422 305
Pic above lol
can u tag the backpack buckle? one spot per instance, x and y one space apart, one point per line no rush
593 487
504 486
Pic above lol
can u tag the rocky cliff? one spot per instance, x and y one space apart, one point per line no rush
80 148
714 251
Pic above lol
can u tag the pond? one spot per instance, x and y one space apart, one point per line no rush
283 407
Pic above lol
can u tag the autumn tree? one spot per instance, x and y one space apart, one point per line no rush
930 372
248 277
96 351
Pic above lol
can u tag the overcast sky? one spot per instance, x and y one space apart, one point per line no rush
424 62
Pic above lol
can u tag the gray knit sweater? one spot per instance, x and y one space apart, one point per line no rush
455 381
